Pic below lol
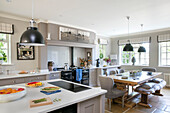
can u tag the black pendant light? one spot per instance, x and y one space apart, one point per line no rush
141 48
32 36
128 47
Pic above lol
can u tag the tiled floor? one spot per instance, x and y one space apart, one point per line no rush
159 105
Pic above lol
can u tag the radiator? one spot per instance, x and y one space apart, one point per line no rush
167 79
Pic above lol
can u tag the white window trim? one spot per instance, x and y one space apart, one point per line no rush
120 59
8 49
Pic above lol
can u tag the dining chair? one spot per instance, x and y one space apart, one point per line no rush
108 84
151 69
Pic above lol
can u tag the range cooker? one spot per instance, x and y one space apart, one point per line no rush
70 75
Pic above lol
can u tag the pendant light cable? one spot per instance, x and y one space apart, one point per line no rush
32 20
32 9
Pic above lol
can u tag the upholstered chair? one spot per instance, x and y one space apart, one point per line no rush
108 84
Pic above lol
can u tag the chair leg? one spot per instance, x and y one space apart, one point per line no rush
110 106
123 101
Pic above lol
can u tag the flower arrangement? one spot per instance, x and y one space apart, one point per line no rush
107 60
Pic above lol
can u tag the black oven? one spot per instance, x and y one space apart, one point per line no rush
67 75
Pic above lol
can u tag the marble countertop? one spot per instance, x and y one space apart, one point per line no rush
67 98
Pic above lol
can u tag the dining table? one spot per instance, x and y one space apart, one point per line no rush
128 82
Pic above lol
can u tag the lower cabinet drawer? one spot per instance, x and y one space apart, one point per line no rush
39 78
6 82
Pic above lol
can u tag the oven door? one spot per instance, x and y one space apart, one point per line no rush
66 75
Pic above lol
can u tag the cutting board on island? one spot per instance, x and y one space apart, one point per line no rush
40 102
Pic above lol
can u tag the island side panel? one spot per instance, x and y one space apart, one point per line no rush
93 105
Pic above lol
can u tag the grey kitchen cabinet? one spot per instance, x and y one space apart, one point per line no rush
6 82
93 77
54 76
19 80
90 106
38 78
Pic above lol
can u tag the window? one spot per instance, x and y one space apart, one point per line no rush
5 45
102 49
141 58
164 54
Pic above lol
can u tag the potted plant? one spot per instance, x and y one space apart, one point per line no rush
107 60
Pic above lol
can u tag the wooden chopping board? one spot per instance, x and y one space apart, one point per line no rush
32 104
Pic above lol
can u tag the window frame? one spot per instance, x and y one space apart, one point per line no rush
160 52
131 54
8 41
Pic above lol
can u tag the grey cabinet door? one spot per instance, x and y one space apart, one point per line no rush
38 78
90 106
93 77
7 82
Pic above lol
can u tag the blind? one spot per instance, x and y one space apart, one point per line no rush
135 41
6 28
164 38
103 41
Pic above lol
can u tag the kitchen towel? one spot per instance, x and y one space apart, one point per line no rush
49 93
78 74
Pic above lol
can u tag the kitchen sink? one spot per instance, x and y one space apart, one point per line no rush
69 86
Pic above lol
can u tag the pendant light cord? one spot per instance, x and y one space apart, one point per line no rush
128 27
32 9
128 17
32 20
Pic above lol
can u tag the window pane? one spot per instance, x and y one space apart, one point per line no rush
2 37
141 59
3 45
3 55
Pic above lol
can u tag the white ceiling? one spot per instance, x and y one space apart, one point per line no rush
106 17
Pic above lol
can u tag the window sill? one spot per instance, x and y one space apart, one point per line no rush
163 66
6 64
136 65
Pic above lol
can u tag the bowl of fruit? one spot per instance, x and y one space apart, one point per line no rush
34 84
11 93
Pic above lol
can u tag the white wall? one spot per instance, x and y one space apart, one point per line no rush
153 55
19 28
60 55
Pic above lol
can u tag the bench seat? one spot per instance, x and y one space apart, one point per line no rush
148 88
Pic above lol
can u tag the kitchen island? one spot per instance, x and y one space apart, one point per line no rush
88 101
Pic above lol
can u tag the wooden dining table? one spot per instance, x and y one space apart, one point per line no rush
129 82
135 80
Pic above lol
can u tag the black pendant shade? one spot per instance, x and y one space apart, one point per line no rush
32 37
128 47
141 49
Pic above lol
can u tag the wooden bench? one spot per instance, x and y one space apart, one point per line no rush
145 91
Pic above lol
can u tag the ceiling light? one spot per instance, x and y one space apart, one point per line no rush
141 48
128 47
32 36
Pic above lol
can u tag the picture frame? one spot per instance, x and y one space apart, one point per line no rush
25 52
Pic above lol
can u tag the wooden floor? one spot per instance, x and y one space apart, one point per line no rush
159 105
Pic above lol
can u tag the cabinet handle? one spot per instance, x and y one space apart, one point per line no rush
13 82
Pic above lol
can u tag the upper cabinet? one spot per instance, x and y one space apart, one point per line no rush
55 32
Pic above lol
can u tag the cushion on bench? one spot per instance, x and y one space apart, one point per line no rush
156 80
148 85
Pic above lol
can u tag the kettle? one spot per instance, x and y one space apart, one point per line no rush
66 67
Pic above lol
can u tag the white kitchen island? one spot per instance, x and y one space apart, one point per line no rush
88 101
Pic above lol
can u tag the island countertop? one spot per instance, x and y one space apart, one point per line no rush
67 98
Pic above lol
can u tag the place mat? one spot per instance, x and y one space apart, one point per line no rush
49 93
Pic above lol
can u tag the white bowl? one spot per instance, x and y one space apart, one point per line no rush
13 96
